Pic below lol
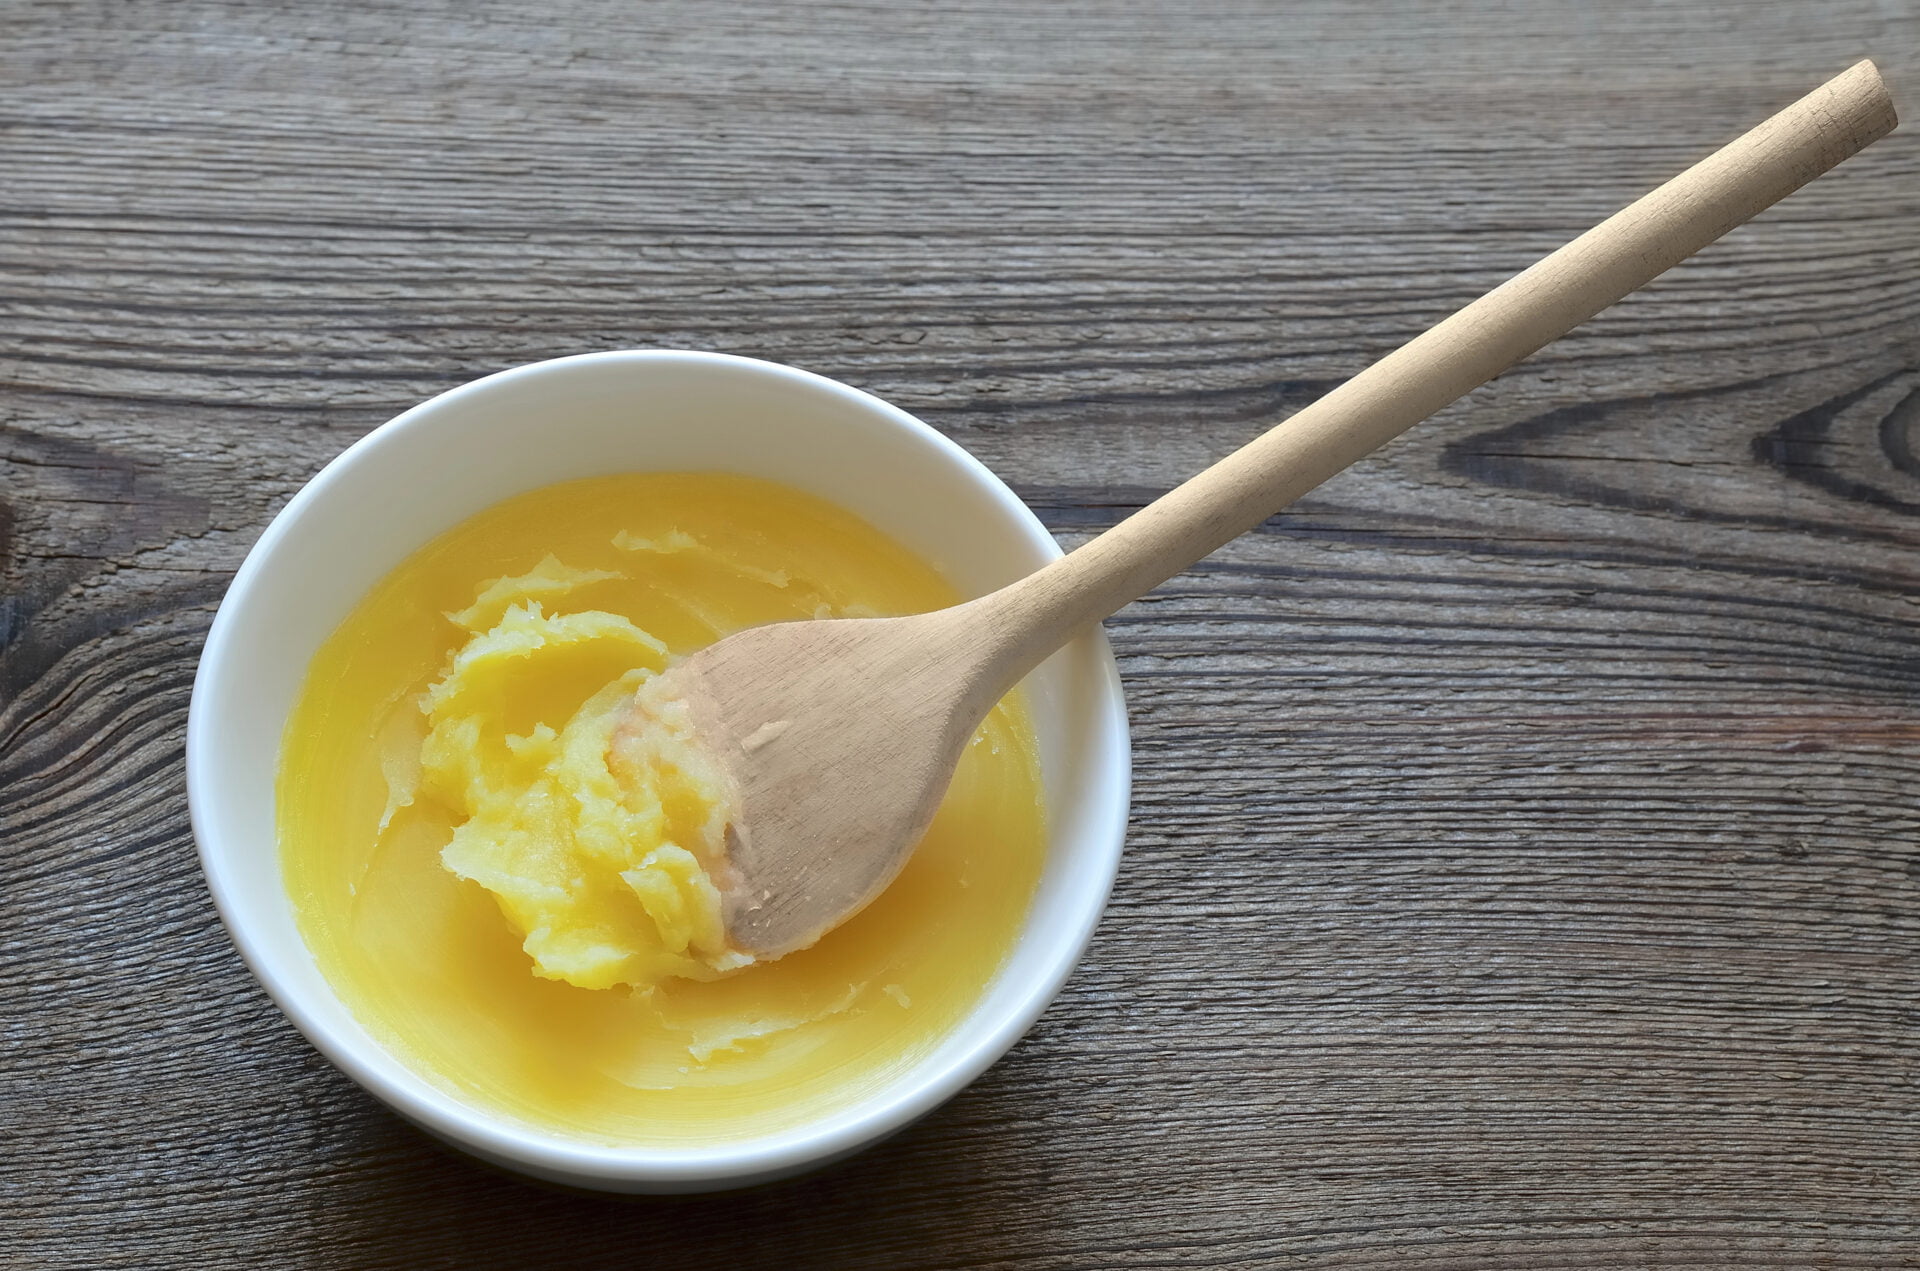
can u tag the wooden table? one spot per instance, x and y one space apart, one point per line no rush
1523 869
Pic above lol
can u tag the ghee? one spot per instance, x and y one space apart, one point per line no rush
543 1005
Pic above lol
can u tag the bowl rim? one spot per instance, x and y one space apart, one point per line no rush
918 1090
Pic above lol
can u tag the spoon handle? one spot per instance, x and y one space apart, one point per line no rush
1032 617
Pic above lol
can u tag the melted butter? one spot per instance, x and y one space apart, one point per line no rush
561 965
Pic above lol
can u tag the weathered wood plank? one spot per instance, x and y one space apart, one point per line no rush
1523 870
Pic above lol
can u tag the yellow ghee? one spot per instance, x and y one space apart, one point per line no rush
466 703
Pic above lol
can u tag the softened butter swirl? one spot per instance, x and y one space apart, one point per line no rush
598 858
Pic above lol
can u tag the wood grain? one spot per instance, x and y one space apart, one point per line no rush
1523 870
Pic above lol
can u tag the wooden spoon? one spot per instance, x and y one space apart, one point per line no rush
840 737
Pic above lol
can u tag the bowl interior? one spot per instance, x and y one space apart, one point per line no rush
468 449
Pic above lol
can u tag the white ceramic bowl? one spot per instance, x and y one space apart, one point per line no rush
468 449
